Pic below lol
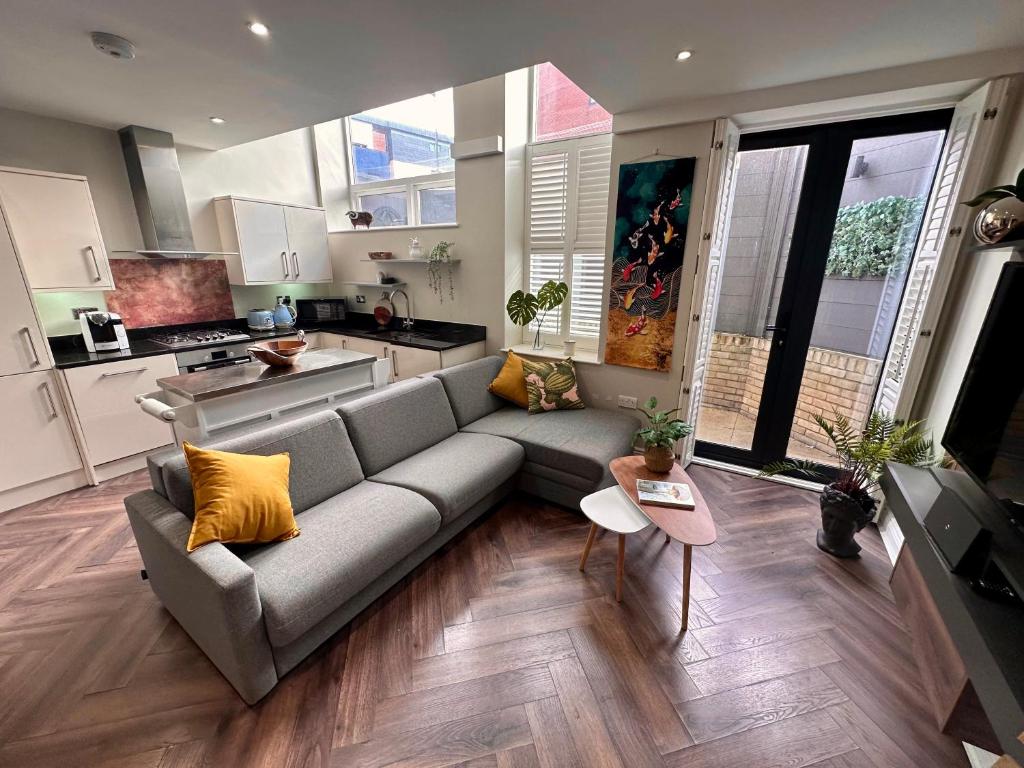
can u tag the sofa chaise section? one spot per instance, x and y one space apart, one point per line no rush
567 452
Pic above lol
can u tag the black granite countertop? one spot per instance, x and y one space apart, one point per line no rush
70 352
218 382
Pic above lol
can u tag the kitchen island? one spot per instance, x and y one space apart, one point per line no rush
222 401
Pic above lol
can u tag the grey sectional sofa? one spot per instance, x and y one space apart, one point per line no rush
377 487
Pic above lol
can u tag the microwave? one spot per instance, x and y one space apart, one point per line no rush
320 310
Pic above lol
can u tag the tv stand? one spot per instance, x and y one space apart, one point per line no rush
967 646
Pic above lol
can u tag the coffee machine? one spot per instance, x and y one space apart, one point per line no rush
103 331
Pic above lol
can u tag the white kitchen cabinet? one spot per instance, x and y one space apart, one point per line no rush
54 227
112 423
275 242
307 243
408 362
38 443
23 345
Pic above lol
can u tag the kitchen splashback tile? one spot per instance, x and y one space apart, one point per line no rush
169 291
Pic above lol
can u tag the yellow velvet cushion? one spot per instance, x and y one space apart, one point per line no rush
510 383
239 498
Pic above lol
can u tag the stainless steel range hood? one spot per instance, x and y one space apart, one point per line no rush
155 179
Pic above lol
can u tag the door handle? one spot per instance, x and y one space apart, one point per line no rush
394 363
776 328
295 260
284 262
31 346
95 264
111 374
49 401
344 343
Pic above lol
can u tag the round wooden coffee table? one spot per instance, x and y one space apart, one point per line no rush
691 527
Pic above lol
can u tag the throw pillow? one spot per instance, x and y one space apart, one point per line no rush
551 386
240 498
510 383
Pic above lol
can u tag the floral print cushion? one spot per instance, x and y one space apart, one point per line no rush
551 386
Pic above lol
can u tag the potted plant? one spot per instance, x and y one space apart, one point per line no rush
522 307
440 257
660 435
1003 213
847 503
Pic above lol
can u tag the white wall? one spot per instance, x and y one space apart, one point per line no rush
479 235
973 284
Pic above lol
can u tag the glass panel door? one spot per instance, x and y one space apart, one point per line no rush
823 227
884 195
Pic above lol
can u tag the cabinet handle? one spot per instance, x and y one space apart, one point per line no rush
295 259
110 374
284 261
31 346
49 401
344 343
95 263
394 363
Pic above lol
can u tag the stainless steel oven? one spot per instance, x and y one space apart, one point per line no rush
209 358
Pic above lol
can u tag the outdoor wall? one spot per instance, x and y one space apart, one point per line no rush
831 381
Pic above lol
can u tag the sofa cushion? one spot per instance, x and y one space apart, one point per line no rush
575 442
346 543
551 386
397 422
457 472
466 387
323 462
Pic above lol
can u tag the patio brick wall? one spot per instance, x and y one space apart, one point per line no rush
840 380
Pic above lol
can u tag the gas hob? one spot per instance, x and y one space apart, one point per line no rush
205 336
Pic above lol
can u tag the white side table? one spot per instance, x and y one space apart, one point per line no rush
613 510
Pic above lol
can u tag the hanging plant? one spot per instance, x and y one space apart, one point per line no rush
438 261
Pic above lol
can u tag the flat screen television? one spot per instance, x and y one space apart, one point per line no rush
985 434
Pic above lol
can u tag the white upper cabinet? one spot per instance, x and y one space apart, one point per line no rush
53 224
23 345
307 243
276 243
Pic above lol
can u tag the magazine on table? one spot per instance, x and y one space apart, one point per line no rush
662 494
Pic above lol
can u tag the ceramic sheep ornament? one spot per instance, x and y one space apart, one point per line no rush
365 218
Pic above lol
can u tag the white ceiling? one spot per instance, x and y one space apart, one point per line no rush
327 59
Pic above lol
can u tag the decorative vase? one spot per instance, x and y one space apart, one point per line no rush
415 249
659 458
996 221
538 344
842 516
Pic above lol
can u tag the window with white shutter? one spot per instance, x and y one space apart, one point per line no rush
567 197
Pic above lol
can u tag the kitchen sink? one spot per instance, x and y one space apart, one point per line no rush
401 335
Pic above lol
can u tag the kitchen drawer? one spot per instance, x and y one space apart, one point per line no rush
104 396
368 346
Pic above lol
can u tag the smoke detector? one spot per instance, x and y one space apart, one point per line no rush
112 45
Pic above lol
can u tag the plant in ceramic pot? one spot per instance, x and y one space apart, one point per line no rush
1003 214
523 307
847 503
660 436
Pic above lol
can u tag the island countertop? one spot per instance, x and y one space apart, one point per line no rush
230 380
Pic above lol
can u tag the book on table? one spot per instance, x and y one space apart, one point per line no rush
662 494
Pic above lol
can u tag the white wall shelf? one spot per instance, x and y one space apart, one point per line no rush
407 261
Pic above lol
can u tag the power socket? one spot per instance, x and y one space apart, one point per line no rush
625 401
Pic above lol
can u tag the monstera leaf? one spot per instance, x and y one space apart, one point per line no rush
551 295
522 307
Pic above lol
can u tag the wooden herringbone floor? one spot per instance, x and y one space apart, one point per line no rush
495 652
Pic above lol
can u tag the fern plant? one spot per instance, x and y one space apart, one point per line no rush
862 454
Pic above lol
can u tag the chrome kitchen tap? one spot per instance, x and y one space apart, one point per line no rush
408 321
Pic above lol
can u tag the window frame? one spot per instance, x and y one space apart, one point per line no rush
572 148
410 185
532 115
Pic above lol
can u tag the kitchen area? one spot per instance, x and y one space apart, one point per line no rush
163 351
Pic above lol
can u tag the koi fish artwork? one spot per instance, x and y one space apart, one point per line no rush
651 218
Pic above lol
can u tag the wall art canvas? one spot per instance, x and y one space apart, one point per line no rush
651 217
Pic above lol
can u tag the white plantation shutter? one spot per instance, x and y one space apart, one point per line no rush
567 195
718 201
946 226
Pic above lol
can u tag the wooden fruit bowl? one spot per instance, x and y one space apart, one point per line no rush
278 353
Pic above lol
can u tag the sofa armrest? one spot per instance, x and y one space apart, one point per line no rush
211 593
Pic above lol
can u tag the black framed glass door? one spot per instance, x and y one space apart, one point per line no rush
822 231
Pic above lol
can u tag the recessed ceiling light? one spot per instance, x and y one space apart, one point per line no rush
217 120
259 28
683 55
